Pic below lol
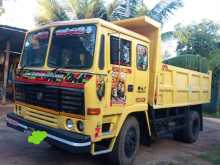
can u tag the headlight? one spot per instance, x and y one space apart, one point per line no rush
80 126
69 123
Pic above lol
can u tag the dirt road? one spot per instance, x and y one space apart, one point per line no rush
14 150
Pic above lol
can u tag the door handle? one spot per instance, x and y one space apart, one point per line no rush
130 88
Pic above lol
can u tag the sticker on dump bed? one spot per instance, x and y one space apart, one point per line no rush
37 137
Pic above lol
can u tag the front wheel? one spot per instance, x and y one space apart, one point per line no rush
127 143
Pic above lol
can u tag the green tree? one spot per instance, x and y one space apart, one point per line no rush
163 9
133 8
51 10
214 59
214 65
196 39
123 9
88 9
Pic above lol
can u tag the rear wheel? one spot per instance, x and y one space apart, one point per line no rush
190 133
127 143
178 135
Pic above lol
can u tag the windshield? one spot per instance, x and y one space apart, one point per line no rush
72 47
35 48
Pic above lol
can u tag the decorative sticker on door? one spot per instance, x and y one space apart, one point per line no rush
118 88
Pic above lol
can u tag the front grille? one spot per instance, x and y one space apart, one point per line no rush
57 98
41 117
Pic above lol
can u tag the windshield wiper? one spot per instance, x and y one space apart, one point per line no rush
68 67
55 69
76 67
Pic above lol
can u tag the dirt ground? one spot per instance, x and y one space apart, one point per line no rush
14 149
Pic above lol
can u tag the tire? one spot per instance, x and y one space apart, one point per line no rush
178 135
192 129
127 143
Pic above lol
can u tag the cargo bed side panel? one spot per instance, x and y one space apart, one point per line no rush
180 87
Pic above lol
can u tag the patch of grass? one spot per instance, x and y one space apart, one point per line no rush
212 156
213 115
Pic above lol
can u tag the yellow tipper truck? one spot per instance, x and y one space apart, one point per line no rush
101 87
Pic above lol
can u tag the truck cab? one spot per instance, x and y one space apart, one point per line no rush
82 77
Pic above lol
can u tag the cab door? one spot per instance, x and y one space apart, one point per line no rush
141 74
120 77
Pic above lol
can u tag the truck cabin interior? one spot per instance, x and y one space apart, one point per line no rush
11 42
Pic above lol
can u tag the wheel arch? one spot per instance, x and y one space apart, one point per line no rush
144 124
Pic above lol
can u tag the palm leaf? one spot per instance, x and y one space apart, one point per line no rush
89 8
167 35
50 11
122 9
164 8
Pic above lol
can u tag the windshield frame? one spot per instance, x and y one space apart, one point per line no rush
23 48
72 25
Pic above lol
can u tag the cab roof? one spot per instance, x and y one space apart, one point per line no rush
111 25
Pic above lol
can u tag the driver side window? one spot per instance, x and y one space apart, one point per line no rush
124 51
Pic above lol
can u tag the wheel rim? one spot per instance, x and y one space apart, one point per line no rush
130 142
195 128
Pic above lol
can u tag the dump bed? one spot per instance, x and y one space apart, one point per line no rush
169 86
180 87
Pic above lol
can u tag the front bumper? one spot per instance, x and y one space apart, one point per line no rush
70 141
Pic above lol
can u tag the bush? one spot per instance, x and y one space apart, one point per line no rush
189 61
214 65
214 60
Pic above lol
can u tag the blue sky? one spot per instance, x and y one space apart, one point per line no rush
21 13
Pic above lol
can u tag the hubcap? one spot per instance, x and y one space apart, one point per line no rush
130 142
